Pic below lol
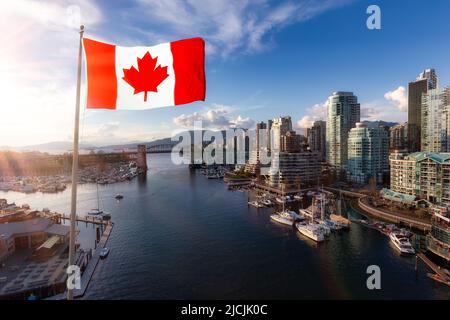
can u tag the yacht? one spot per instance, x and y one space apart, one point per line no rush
283 217
312 231
267 202
401 242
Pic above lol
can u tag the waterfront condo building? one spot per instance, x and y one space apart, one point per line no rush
368 153
343 112
293 170
427 80
435 120
398 137
317 135
424 175
438 240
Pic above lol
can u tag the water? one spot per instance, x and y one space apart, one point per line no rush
178 235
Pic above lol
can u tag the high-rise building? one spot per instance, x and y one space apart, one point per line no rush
343 114
291 142
427 80
368 153
280 126
398 137
253 165
435 120
317 138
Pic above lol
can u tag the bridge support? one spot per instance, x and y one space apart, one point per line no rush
141 160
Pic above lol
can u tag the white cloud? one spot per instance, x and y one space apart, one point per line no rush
229 25
398 97
38 68
314 113
216 118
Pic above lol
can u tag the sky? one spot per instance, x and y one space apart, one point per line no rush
263 59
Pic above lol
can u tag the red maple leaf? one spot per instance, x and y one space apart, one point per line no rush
148 78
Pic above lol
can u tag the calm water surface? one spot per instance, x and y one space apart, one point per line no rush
179 235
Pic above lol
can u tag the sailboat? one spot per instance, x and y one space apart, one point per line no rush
97 211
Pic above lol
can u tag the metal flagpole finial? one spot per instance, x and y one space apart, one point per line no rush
81 28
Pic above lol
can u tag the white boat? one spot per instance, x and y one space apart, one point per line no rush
298 197
104 253
95 212
312 231
402 243
279 200
306 213
267 202
255 204
283 217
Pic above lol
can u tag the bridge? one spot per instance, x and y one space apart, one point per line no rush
160 148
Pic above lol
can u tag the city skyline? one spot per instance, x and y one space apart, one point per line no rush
293 81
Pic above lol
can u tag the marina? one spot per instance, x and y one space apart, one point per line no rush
167 257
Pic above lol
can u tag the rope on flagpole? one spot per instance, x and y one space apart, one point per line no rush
73 203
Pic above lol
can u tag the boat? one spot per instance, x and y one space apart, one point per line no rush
283 217
97 211
312 231
279 200
402 243
267 202
298 197
255 204
118 196
104 253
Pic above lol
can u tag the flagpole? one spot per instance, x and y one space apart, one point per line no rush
73 203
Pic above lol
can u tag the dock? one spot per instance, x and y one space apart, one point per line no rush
441 275
58 217
90 269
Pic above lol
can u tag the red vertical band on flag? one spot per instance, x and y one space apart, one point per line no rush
101 74
189 67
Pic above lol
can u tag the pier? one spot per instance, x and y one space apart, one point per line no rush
441 275
90 269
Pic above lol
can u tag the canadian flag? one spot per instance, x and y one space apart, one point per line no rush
136 78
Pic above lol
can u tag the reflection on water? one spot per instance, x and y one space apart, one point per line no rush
179 235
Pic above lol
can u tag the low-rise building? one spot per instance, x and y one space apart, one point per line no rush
30 234
294 170
424 175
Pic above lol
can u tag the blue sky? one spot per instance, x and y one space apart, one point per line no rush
264 59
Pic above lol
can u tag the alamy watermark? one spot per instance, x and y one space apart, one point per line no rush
74 277
373 282
222 147
373 22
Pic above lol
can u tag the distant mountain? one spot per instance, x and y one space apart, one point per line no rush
373 124
54 147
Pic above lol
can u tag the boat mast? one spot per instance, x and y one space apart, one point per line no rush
73 203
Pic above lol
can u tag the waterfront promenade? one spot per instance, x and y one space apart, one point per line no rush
391 216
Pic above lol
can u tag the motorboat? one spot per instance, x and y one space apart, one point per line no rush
312 231
118 196
402 243
104 253
255 204
266 202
